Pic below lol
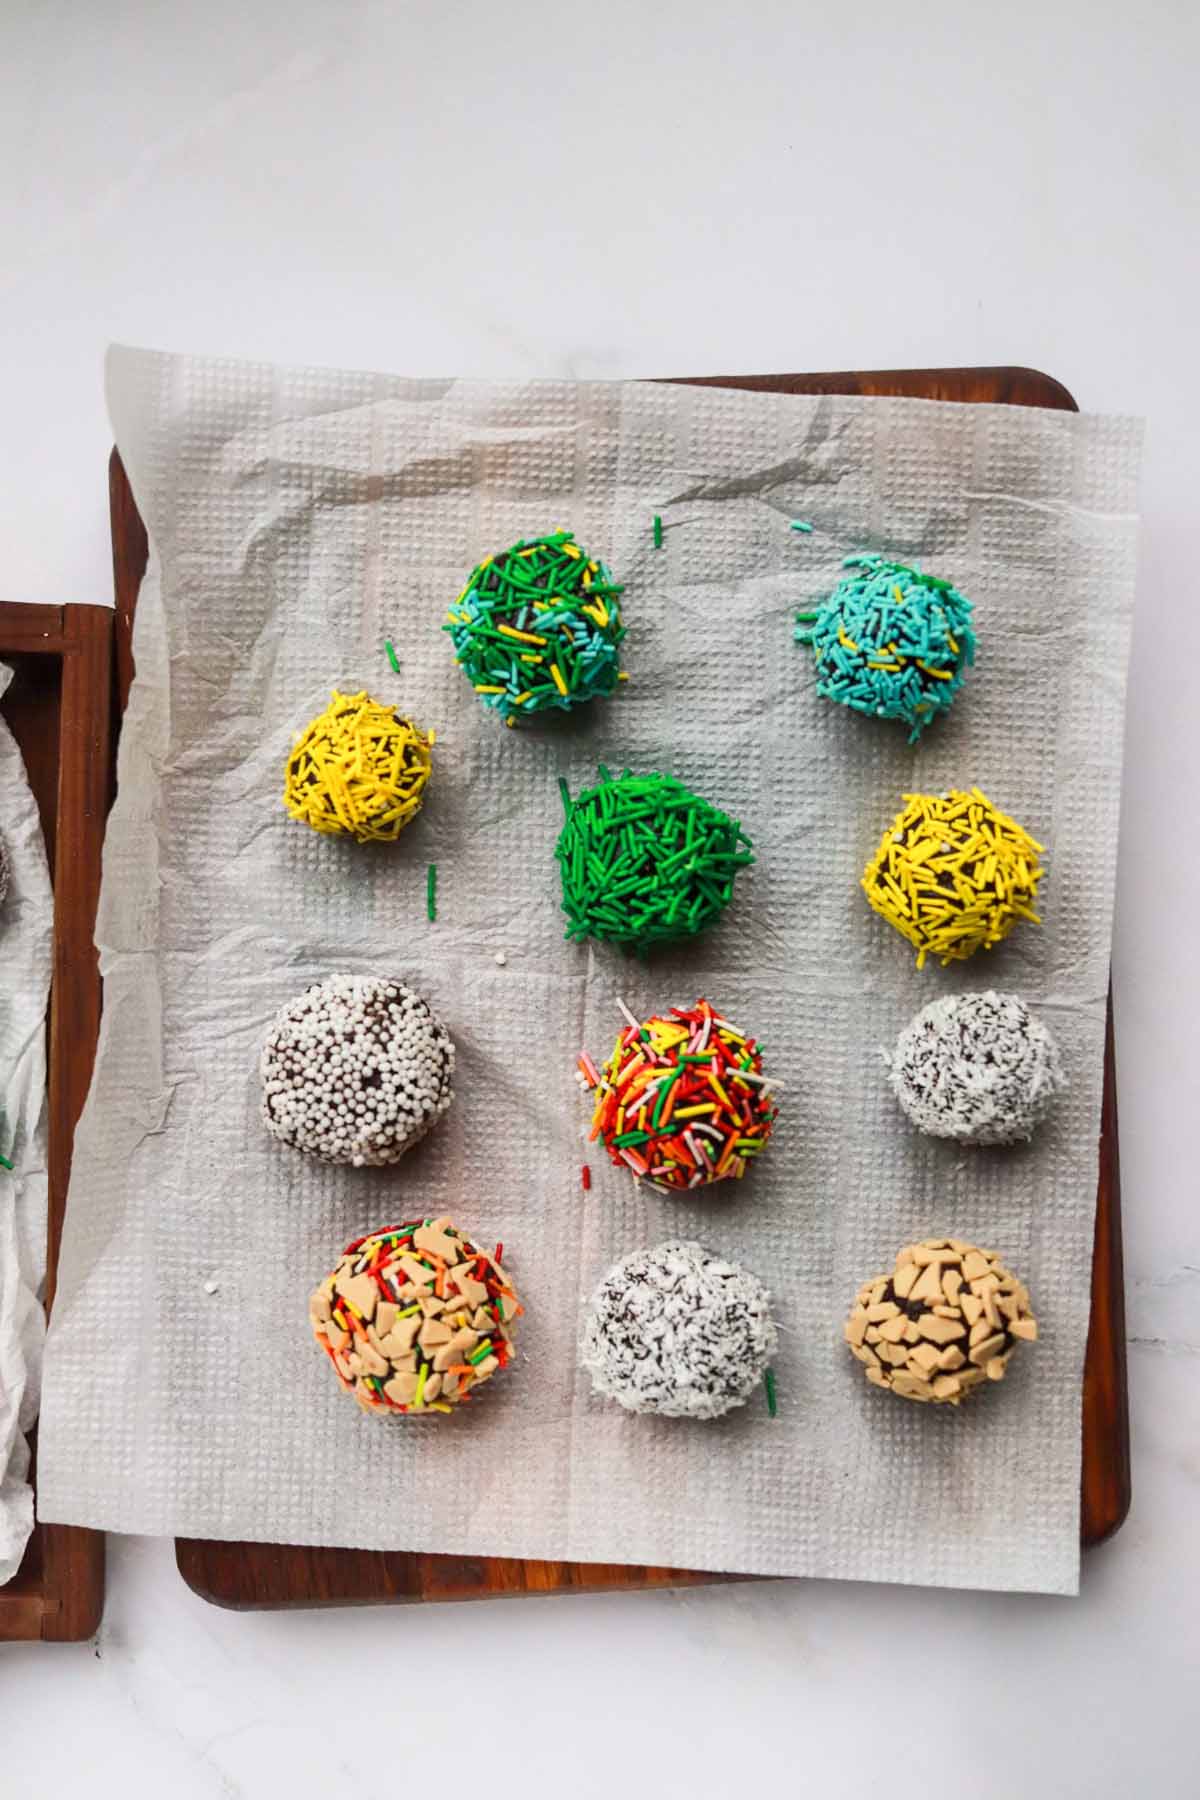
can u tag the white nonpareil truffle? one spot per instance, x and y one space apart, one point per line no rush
355 1070
678 1331
978 1068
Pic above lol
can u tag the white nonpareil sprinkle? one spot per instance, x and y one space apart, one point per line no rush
678 1331
356 1070
500 959
978 1068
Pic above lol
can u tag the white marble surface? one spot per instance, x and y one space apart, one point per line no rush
622 190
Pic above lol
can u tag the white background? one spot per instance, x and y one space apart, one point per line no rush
650 187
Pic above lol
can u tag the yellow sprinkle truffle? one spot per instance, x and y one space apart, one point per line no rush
953 874
359 770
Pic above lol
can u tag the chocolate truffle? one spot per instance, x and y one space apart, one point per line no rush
953 874
645 861
946 1319
538 628
415 1318
358 770
890 641
678 1331
355 1070
978 1068
682 1101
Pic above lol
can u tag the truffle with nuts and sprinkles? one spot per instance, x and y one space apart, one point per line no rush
415 1318
643 860
358 770
953 874
682 1101
945 1320
890 641
977 1068
538 627
678 1331
355 1070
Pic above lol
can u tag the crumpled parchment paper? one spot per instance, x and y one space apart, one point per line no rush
26 936
299 518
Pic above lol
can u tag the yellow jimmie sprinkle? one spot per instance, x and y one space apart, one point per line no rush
938 674
953 874
559 683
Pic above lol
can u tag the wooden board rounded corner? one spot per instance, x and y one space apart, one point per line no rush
248 1576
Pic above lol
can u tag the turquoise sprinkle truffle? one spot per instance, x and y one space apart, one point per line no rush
890 641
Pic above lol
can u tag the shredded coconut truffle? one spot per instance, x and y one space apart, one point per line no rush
946 1319
978 1068
678 1331
356 1070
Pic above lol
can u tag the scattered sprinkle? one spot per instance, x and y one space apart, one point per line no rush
585 1177
769 1379
658 532
431 892
500 959
391 655
210 1287
799 525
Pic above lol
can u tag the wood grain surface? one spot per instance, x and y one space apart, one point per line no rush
60 710
250 1575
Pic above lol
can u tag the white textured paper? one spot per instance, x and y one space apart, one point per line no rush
299 517
26 927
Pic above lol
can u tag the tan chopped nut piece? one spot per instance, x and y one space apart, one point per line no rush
972 1307
928 1253
487 1367
431 1305
433 1333
401 1337
343 1368
456 1350
336 1336
951 1282
876 1377
994 1370
951 1358
878 1290
902 1280
480 1319
432 1241
864 1353
883 1309
896 1354
974 1264
969 1378
929 1285
941 1331
506 1306
991 1311
421 1277
318 1306
892 1330
360 1291
433 1387
856 1325
947 1387
385 1316
925 1358
1008 1305
911 1334
983 1352
912 1387
871 1334
472 1291
980 1330
947 1312
1024 1328
370 1361
407 1361
401 1388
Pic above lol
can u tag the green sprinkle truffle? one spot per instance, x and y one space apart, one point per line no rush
538 628
644 860
891 642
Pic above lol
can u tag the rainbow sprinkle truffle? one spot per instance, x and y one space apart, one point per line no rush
358 770
682 1101
953 874
538 627
890 641
415 1318
644 860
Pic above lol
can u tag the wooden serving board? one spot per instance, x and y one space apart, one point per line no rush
249 1575
59 708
